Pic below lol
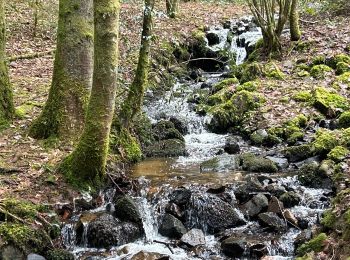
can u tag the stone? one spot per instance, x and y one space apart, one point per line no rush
194 237
126 209
272 220
213 38
166 148
180 196
275 205
172 227
106 231
35 257
143 255
219 163
290 217
299 153
290 199
174 210
243 191
232 146
253 163
281 162
276 189
10 253
233 247
256 205
179 125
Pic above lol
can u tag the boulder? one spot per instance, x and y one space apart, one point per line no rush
311 176
60 254
179 125
238 245
10 253
253 163
211 214
174 210
166 148
127 210
231 146
180 196
275 205
172 227
194 237
276 189
35 257
106 231
281 162
219 163
243 191
256 205
213 38
290 217
299 153
272 220
233 247
143 255
290 199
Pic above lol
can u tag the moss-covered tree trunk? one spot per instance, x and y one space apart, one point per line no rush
64 112
6 100
86 164
295 33
172 8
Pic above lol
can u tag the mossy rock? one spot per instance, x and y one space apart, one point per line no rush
316 245
327 101
273 71
303 74
301 67
127 210
345 137
333 61
338 153
230 82
320 71
248 71
342 81
344 120
59 254
342 67
250 86
166 148
328 219
253 163
325 141
299 153
219 164
23 209
318 60
311 176
221 96
164 130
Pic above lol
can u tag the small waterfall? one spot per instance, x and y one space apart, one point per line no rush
68 234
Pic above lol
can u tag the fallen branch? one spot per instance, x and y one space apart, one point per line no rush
117 186
7 171
164 243
31 55
188 61
4 211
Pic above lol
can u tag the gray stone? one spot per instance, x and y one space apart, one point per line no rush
272 220
281 162
35 257
220 163
194 237
11 253
172 227
126 209
256 205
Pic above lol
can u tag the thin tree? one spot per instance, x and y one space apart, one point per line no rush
86 164
295 33
172 8
264 13
6 100
64 112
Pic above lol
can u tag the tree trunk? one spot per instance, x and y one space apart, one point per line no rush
64 112
86 165
294 22
6 99
133 102
172 8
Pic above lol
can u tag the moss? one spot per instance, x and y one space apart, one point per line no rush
328 219
221 96
300 121
252 163
303 96
248 71
273 71
342 81
20 208
345 137
344 120
59 254
325 141
318 60
225 84
341 58
327 101
166 148
294 137
250 86
302 66
320 71
316 244
302 45
338 153
300 152
342 67
303 74
257 139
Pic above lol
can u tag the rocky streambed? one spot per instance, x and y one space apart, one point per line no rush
203 193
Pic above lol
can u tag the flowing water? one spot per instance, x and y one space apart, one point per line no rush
158 177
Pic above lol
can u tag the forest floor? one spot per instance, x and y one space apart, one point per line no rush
35 160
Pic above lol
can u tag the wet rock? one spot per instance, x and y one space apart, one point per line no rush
256 205
213 38
282 163
253 163
216 189
275 189
220 163
275 206
127 210
166 148
143 255
272 220
194 237
174 210
172 227
290 199
310 175
227 24
10 252
258 136
196 74
290 217
303 237
210 213
243 191
35 257
83 204
180 196
303 223
231 146
179 125
60 254
233 247
108 231
299 153
164 130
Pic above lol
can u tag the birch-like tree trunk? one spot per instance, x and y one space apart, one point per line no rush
295 33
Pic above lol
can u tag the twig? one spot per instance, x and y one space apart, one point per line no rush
119 189
31 55
164 243
13 216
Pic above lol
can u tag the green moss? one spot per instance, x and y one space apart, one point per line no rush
257 138
248 86
342 67
59 254
341 58
344 120
300 121
338 153
225 84
221 96
342 81
303 96
320 71
247 71
273 71
316 244
345 137
303 74
327 100
300 152
20 208
301 67
325 141
294 137
302 45
318 60
252 163
329 219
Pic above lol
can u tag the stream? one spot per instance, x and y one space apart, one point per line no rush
204 201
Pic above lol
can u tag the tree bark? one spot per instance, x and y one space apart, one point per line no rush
86 164
172 8
6 100
64 112
295 33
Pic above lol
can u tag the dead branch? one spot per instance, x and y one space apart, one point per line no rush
31 55
164 243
